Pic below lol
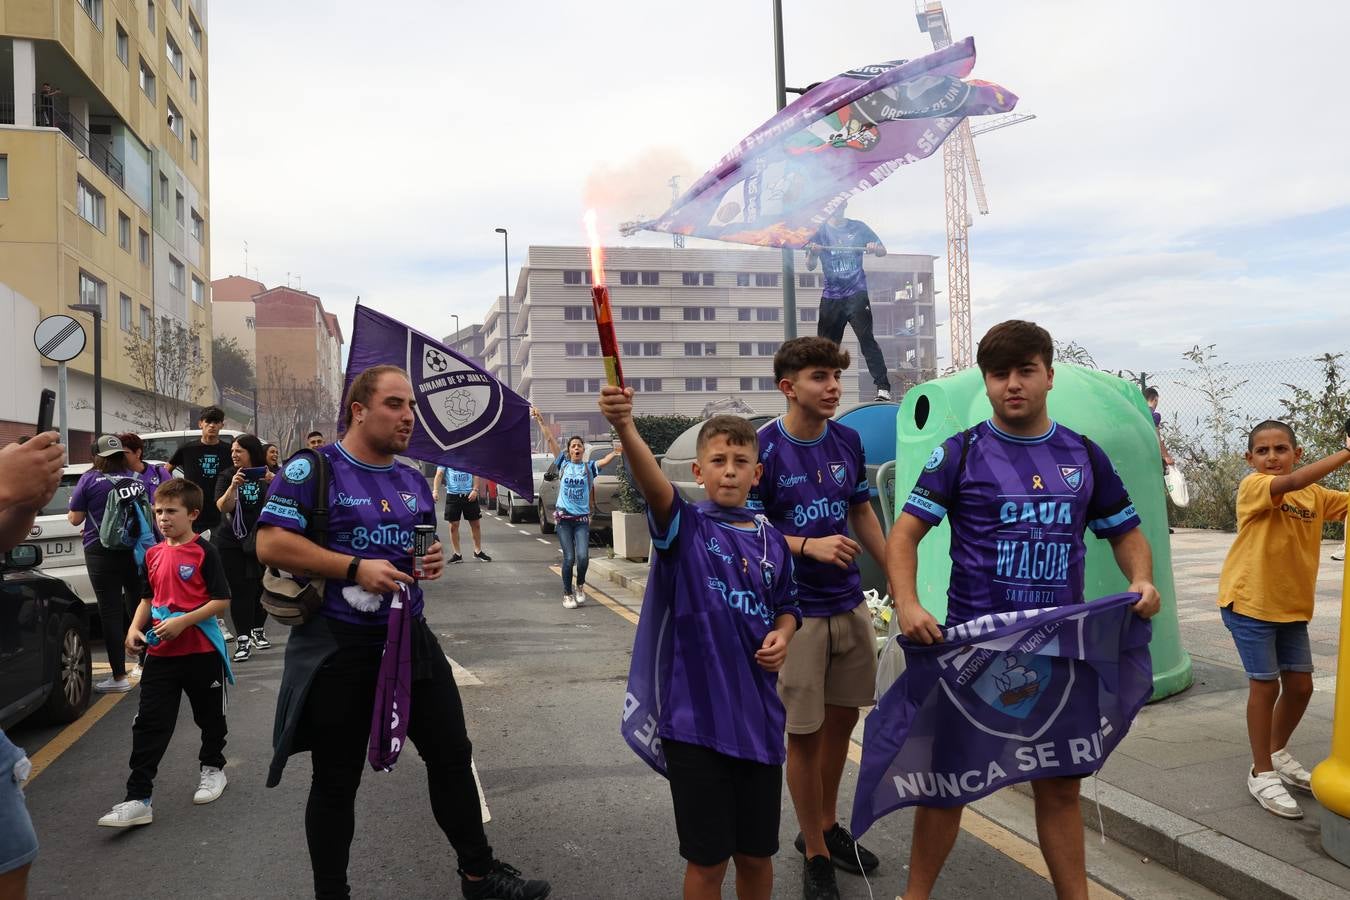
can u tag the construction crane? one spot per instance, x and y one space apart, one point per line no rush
958 157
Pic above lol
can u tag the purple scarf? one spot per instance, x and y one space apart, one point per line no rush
393 689
653 648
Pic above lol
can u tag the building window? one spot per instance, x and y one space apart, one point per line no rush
806 279
583 385
145 323
693 348
742 279
689 279
651 348
95 10
766 279
593 349
124 310
631 348
709 313
697 313
249 322
628 278
194 30
198 291
651 385
747 384
910 357
94 292
164 190
4 177
691 314
710 384
767 384
766 315
707 279
766 348
173 53
743 314
693 384
175 120
198 228
577 276
123 45
192 86
651 313
147 79
192 145
651 279
628 314
150 14
808 315
177 275
744 348
124 231
179 207
143 242
90 203
578 313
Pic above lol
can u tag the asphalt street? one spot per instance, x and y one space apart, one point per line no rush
568 801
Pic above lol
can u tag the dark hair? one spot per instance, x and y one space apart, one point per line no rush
737 431
805 352
314 434
1150 393
576 437
115 463
131 441
363 388
181 489
212 414
1011 343
257 455
271 446
1268 425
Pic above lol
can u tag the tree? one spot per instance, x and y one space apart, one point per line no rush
169 368
230 365
1321 421
1212 455
289 408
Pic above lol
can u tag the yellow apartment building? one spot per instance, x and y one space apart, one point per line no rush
104 194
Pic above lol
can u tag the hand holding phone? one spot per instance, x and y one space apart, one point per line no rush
46 410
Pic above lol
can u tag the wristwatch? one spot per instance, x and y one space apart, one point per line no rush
352 567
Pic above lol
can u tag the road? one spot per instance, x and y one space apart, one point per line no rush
568 800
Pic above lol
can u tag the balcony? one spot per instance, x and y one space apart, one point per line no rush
51 112
6 111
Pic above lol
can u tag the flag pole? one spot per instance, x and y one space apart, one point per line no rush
780 98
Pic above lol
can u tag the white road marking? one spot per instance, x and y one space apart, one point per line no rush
542 541
462 675
482 801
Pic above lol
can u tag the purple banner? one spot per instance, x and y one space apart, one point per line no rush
844 136
393 689
1005 698
465 418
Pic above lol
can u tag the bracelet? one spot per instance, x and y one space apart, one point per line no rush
352 567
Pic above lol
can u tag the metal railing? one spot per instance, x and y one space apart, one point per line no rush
6 111
49 114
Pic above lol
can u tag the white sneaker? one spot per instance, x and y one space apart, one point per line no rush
211 786
883 396
579 597
225 631
569 601
1339 555
136 671
112 685
1291 772
128 813
1269 791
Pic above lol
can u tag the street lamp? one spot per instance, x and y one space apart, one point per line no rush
97 312
456 318
506 296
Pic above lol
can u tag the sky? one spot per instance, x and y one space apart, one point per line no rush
1185 180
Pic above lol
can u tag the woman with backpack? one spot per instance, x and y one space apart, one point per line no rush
113 571
151 474
241 492
572 512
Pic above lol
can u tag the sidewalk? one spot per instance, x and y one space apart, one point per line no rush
1175 790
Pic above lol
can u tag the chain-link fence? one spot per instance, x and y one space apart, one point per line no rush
1209 408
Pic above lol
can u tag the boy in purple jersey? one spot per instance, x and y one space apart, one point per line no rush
333 661
729 588
814 489
1019 491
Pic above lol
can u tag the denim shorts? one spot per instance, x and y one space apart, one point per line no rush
18 840
1269 648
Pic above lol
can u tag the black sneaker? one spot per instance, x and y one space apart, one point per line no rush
260 639
455 558
503 882
842 846
242 650
480 555
818 880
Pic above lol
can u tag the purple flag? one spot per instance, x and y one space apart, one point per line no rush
1005 698
465 418
393 689
844 136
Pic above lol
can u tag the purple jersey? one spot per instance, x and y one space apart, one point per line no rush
94 491
371 514
725 585
843 269
807 489
1019 508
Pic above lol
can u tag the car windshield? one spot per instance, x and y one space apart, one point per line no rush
60 502
597 453
541 463
165 447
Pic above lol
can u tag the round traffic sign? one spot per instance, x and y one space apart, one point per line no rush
59 338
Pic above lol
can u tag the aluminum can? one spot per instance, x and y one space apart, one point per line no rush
423 537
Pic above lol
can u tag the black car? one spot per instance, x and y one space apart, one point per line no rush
45 666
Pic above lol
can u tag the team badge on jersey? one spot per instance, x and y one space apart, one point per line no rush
935 459
186 572
838 471
409 500
1073 477
298 470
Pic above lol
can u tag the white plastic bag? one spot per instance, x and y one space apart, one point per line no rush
1176 487
891 660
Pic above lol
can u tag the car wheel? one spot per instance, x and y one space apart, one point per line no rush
502 505
545 523
74 674
515 514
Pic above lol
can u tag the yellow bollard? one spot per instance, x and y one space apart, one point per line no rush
1331 777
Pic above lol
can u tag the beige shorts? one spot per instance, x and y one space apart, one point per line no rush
831 661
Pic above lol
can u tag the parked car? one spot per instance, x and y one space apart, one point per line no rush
603 492
45 666
60 542
516 507
163 444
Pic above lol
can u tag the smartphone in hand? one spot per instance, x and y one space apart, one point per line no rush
46 410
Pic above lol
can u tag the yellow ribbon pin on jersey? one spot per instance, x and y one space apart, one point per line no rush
1036 483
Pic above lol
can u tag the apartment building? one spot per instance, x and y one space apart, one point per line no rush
232 311
468 342
104 194
297 340
697 328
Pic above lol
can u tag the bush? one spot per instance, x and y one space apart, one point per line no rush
659 432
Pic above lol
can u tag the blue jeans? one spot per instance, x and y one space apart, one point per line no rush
575 538
1269 648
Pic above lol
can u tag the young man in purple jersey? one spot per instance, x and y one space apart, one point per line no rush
727 579
814 489
328 686
1019 490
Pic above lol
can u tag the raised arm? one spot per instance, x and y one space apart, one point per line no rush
1312 472
548 433
617 405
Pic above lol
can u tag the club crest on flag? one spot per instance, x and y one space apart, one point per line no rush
1015 684
409 500
185 572
1073 477
455 402
838 471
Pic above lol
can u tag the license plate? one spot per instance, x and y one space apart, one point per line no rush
55 549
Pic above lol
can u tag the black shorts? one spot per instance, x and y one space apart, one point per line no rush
723 805
460 504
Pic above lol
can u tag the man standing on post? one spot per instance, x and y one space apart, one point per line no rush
814 490
333 661
980 479
839 244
